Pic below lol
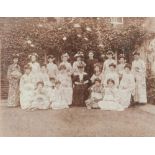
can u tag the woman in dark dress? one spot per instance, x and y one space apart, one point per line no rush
80 89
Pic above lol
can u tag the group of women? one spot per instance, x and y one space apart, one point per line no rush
107 85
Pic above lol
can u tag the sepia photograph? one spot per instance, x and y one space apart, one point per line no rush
77 76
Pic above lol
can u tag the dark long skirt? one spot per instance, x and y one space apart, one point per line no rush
80 94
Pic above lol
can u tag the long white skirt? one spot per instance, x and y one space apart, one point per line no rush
67 95
140 90
41 102
59 104
110 104
26 98
124 97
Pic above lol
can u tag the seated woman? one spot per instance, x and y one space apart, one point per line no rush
126 87
111 99
58 101
96 94
40 97
27 85
80 89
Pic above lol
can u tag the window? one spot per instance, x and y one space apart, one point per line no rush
117 20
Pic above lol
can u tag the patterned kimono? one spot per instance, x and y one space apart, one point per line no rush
126 89
27 85
13 76
80 90
66 87
111 75
107 63
95 97
52 70
40 99
35 70
139 71
111 100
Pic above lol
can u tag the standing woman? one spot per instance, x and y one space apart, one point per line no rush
27 86
66 85
65 58
126 87
139 71
80 90
90 63
79 56
35 66
13 76
121 65
109 61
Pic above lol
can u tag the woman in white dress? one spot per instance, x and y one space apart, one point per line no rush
109 61
139 71
126 87
66 84
35 66
111 98
40 97
65 58
111 74
43 76
79 56
52 68
58 101
27 85
120 66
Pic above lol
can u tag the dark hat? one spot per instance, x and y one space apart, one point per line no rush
112 64
50 57
79 54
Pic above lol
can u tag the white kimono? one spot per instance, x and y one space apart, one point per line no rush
66 86
27 84
35 70
58 101
107 63
110 100
126 89
139 71
40 99
120 69
111 75
45 78
52 70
